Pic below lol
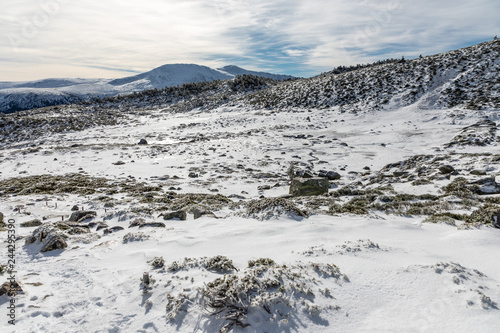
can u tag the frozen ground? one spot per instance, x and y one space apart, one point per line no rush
392 272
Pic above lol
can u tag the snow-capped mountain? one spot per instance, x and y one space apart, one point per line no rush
16 96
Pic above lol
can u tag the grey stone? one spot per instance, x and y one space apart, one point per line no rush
180 214
143 142
101 225
202 211
54 242
153 225
309 186
446 169
82 215
111 230
331 175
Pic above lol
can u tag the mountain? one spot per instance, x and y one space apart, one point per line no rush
16 96
175 210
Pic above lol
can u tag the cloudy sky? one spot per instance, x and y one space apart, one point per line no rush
116 38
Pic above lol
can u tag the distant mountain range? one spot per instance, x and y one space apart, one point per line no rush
17 96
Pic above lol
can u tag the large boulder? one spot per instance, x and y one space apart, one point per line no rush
309 186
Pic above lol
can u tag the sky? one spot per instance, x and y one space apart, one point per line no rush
117 38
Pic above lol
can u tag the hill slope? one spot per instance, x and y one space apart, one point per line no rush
468 77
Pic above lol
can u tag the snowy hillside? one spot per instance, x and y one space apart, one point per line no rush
468 77
194 209
16 96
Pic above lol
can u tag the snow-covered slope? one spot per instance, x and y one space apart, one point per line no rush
170 211
15 96
403 242
468 77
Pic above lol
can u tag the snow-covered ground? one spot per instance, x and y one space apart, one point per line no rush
376 272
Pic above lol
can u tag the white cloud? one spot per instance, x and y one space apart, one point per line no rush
40 36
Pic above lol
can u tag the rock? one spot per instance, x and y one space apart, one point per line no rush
496 219
119 163
304 174
31 224
2 223
400 174
137 222
75 208
82 215
478 172
142 142
487 186
11 289
309 186
202 211
101 226
111 230
54 242
446 169
180 214
153 225
193 175
331 175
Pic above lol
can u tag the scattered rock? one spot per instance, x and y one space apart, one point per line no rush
309 186
119 163
11 289
136 222
153 225
111 230
2 223
496 219
487 186
82 215
31 224
446 169
193 175
478 172
143 142
179 214
55 242
304 174
331 175
202 211
101 225
75 208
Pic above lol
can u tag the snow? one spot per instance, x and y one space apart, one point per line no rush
403 275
